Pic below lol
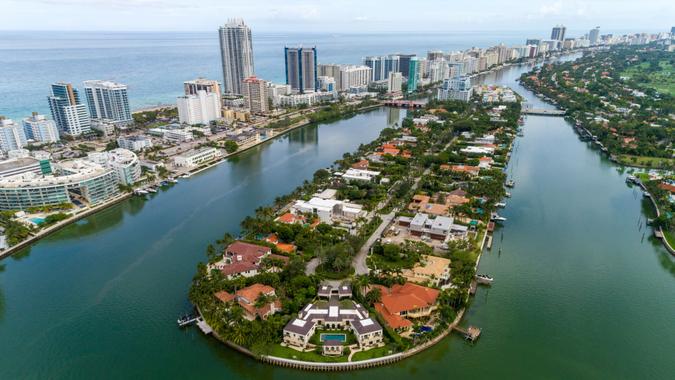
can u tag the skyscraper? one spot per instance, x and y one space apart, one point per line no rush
201 108
192 86
68 112
413 74
593 35
404 63
394 82
255 94
301 69
382 66
108 101
558 33
236 51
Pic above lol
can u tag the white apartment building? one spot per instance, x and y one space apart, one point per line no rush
108 100
12 135
197 157
275 91
124 162
199 109
40 130
134 143
352 76
177 135
295 100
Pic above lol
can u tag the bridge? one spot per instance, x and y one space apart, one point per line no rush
404 103
543 112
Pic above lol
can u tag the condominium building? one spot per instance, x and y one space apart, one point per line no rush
327 84
413 74
12 135
404 63
81 180
201 108
594 35
70 115
40 130
457 88
134 143
108 101
354 76
558 33
123 161
382 65
255 95
275 91
301 69
236 51
21 165
191 87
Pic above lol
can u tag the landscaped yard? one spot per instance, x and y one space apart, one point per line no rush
289 353
373 353
644 161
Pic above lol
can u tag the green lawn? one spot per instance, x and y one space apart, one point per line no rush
644 161
289 353
374 353
662 80
670 236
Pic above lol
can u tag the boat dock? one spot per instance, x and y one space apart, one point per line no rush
471 334
195 319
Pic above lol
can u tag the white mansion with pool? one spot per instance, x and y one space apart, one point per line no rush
333 314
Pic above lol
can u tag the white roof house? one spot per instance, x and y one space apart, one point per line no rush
360 175
328 210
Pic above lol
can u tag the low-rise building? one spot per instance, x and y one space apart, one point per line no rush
197 157
243 259
123 161
329 210
177 136
360 175
134 143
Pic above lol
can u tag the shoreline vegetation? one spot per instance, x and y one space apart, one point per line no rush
427 156
613 100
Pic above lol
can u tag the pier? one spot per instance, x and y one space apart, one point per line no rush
470 334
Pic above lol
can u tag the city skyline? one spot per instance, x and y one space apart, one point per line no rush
302 15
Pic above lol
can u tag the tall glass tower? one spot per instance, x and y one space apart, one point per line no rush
236 52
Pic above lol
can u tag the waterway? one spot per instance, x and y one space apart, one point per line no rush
578 292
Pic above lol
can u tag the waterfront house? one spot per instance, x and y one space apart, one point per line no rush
333 314
430 270
329 210
361 165
248 297
401 303
468 169
244 259
360 175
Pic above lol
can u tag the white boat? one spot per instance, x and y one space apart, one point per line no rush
172 180
631 179
510 183
507 194
484 279
497 218
500 204
140 192
152 190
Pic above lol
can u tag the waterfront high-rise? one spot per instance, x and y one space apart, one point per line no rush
12 136
255 94
236 51
209 85
593 35
108 101
558 33
301 69
404 63
41 130
67 110
382 65
413 74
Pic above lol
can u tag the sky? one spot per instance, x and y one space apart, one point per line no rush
342 16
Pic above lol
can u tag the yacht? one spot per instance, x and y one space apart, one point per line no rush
500 204
484 279
497 218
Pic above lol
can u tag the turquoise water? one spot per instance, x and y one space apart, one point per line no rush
337 337
37 220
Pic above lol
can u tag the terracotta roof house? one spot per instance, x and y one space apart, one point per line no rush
472 170
400 303
283 247
432 269
290 218
241 259
247 298
667 187
363 165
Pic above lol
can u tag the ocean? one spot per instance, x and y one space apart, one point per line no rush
155 64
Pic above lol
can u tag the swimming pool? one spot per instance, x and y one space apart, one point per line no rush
37 221
337 337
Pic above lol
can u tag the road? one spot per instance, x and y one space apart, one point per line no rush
360 266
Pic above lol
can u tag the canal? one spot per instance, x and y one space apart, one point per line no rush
581 289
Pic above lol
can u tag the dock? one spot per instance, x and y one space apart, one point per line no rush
473 287
470 334
489 242
206 329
